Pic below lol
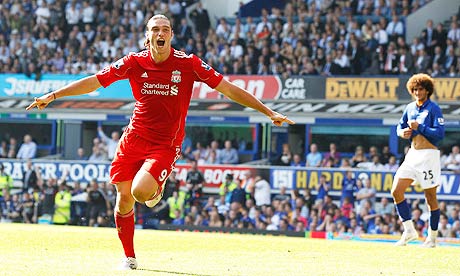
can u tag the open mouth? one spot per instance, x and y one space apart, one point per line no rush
161 42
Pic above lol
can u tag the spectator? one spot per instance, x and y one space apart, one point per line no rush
237 197
30 178
4 149
385 207
309 199
406 61
355 53
332 153
386 154
391 60
200 18
282 196
28 204
28 149
47 197
392 165
452 161
342 61
172 184
346 207
178 218
227 187
228 155
422 62
442 35
285 158
111 142
358 157
264 23
223 29
14 208
366 193
99 208
81 154
212 158
445 229
87 13
6 183
381 35
62 205
314 157
430 36
215 218
375 165
438 57
395 28
176 204
42 13
322 188
194 182
77 189
247 183
349 187
454 31
297 161
345 164
262 191
98 155
214 155
222 206
183 33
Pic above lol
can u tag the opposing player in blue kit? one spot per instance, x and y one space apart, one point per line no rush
423 124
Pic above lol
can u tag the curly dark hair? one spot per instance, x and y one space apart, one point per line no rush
423 80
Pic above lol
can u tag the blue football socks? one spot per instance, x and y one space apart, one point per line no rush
404 210
434 219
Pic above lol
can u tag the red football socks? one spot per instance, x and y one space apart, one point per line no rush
125 228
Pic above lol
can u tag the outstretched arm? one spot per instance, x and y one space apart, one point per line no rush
79 87
245 98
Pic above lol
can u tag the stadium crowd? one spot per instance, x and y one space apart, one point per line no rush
305 38
247 202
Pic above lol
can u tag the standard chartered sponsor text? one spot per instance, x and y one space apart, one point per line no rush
155 89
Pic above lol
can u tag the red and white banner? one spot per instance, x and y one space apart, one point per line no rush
214 175
263 87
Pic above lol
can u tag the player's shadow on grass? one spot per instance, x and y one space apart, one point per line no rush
172 272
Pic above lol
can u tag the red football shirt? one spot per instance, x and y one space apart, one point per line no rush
162 91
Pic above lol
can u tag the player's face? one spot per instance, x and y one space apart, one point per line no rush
160 34
420 93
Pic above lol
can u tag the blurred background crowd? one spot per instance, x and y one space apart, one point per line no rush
247 202
305 37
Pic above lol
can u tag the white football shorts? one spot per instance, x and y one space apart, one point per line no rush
423 166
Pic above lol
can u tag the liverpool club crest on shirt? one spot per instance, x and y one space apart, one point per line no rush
175 77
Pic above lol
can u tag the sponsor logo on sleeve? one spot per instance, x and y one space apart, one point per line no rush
205 66
118 63
441 121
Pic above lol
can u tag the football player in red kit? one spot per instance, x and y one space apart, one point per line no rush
161 80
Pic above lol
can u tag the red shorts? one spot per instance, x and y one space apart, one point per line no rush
134 153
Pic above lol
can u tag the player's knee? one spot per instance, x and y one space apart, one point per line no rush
140 195
432 202
124 203
397 194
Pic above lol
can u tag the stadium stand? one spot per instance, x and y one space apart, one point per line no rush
328 38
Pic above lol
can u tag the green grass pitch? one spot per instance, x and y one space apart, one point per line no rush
71 250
